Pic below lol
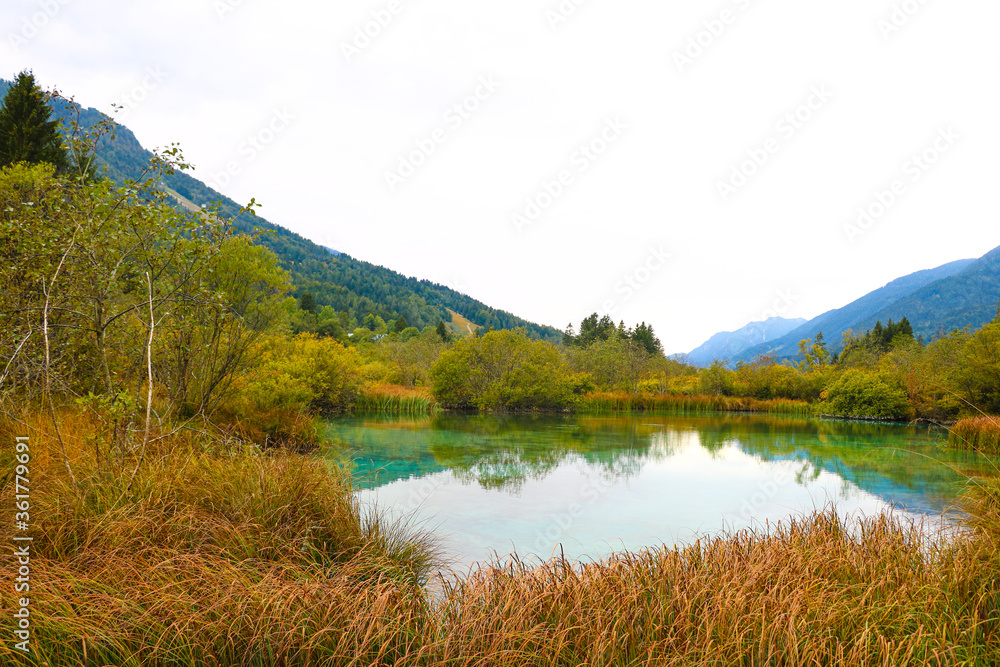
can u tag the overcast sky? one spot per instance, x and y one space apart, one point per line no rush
697 165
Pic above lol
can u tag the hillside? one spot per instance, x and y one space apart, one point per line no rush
969 298
335 279
726 345
870 307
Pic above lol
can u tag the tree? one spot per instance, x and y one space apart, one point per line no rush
814 354
307 302
569 334
442 331
503 370
400 325
26 133
868 395
645 337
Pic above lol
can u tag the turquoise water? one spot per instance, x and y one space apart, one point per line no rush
590 485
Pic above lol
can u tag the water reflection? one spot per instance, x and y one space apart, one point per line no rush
904 464
591 485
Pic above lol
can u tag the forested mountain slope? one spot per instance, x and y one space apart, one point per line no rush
337 280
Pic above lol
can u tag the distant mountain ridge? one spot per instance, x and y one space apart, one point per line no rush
957 295
334 278
728 344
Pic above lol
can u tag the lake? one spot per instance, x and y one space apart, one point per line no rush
587 486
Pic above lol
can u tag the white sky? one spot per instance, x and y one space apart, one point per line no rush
226 70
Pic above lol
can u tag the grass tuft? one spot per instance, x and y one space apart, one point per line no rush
395 400
981 434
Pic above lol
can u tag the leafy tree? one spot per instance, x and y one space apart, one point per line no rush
615 363
717 380
763 378
118 276
26 132
980 369
815 356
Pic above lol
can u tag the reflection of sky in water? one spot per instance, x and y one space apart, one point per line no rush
534 488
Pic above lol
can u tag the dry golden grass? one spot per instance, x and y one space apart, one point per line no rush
395 399
978 433
221 555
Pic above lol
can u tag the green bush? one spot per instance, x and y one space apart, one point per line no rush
867 394
503 370
293 379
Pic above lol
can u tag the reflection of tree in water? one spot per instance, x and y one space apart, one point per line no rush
506 470
503 452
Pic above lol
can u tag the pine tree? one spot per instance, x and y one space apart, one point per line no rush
442 331
26 133
307 302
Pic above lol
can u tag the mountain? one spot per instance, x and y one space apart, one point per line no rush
726 345
969 298
956 295
335 279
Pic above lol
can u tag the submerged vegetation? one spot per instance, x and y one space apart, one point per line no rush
167 378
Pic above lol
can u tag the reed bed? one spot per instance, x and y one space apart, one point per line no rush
981 434
813 591
220 555
609 402
395 400
217 553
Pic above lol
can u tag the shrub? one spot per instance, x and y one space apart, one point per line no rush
867 395
293 379
503 370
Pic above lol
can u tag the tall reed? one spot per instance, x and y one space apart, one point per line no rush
395 400
981 434
607 402
223 555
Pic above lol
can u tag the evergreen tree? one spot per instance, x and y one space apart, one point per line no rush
399 324
26 133
569 335
644 336
442 331
307 302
